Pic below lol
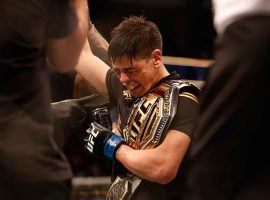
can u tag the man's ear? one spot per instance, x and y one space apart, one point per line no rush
157 57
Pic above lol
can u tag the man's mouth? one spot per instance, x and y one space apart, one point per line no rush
132 85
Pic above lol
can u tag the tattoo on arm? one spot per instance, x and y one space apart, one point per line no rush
98 45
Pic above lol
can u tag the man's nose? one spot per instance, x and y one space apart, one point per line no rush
124 78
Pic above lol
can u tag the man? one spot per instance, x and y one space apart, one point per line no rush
230 158
31 32
156 114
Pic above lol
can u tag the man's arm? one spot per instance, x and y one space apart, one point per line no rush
98 44
99 47
159 164
63 53
93 70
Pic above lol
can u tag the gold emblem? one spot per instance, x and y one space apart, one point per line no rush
145 119
127 95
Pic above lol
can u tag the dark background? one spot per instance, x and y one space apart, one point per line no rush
186 25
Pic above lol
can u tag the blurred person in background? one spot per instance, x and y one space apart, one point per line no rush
32 165
73 101
231 158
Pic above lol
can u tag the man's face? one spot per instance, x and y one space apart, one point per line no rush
139 76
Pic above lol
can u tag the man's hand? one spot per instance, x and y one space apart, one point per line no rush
101 141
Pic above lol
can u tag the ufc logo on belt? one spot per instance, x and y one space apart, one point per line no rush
90 142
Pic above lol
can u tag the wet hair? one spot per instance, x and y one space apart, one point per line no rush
135 37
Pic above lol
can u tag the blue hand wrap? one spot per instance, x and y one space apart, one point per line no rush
111 146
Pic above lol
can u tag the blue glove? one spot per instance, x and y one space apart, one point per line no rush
101 141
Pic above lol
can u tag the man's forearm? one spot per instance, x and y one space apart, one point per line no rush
98 44
159 164
93 69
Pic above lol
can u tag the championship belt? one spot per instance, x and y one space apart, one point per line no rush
146 128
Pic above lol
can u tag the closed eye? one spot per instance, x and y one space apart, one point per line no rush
130 70
126 71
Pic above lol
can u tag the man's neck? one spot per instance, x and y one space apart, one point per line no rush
163 72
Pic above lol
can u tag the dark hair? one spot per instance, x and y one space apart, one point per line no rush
134 37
